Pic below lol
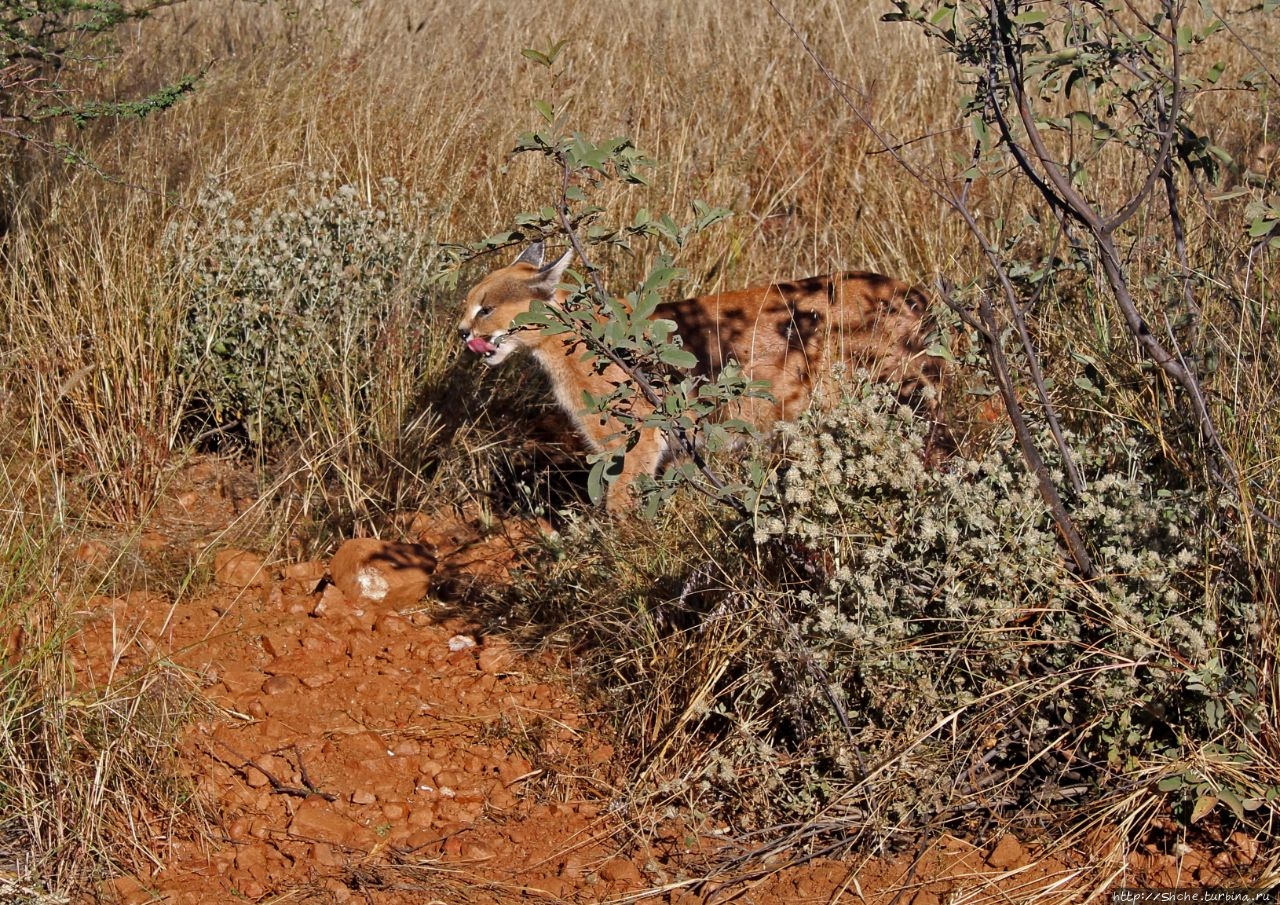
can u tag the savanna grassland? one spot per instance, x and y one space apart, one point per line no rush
264 278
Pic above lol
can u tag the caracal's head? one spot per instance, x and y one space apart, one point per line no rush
493 304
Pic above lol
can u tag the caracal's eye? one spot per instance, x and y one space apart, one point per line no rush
484 312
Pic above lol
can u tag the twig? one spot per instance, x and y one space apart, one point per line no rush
276 785
989 332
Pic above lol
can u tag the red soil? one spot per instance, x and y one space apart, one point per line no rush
354 751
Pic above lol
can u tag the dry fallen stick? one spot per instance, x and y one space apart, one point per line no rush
276 785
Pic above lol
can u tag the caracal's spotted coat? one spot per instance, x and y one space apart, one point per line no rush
790 335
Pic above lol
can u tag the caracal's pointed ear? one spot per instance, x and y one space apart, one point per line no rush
544 284
531 255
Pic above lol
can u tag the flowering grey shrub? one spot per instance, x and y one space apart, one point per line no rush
945 591
294 307
895 644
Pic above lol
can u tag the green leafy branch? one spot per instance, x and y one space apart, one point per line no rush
624 332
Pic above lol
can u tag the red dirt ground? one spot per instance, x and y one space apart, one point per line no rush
358 752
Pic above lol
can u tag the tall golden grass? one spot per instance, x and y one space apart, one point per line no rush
433 94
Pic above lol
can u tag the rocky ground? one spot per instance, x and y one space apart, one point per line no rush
358 742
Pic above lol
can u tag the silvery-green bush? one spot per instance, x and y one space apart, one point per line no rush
296 305
902 643
941 592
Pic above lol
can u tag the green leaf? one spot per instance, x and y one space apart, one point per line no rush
1031 17
537 56
1084 383
606 469
1204 804
1261 227
1233 801
677 357
545 110
646 305
941 351
553 50
497 240
944 17
1170 784
981 132
660 277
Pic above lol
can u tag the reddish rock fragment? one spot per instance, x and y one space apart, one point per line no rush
279 685
316 821
239 569
380 572
1008 853
620 870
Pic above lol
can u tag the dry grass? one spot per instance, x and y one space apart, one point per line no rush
433 94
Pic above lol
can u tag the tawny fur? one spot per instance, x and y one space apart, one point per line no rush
789 335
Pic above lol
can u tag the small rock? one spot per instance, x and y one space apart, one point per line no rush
501 798
461 642
496 658
128 890
93 552
619 870
391 624
152 542
554 887
245 885
476 851
1008 853
315 821
419 841
277 644
574 867
311 571
382 572
450 778
242 681
279 685
252 859
1246 846
340 892
363 797
239 569
332 601
323 853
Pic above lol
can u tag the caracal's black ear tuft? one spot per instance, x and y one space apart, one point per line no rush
531 255
544 284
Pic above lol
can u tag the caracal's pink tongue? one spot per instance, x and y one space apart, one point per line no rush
480 345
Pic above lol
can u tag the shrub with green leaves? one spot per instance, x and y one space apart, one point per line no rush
296 306
908 644
945 594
